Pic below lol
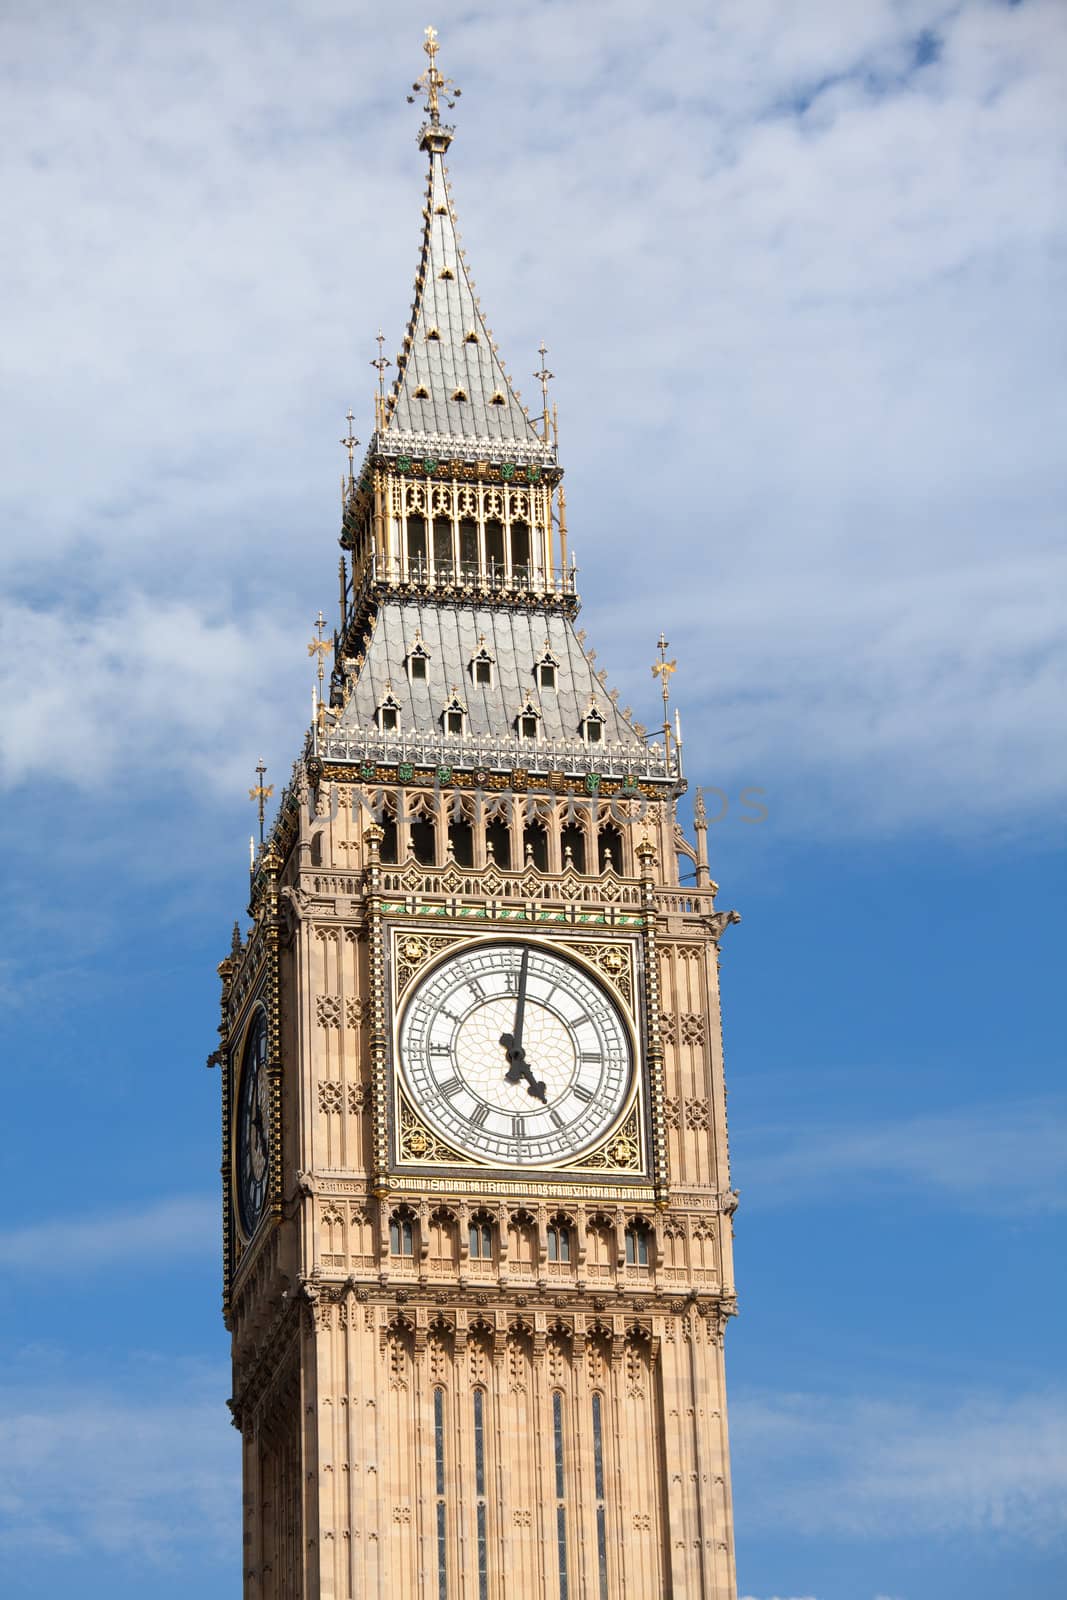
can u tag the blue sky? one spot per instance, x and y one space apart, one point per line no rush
799 269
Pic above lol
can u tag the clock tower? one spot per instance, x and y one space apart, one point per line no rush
477 1207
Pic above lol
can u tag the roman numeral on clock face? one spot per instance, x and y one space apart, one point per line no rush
478 1116
580 1092
591 1058
518 1127
450 1086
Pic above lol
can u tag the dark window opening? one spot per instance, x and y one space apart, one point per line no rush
498 843
390 719
494 544
547 675
572 838
416 540
468 544
442 542
417 664
609 849
461 839
535 846
423 835
594 731
528 727
389 840
520 550
483 672
454 721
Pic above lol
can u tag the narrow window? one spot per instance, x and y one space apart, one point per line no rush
598 1491
417 669
439 1486
461 841
442 544
468 546
561 1511
528 727
389 840
498 843
454 722
636 1245
594 731
479 1491
572 844
390 719
423 835
547 675
494 545
481 1240
483 671
400 1236
609 849
520 550
535 846
559 1242
416 542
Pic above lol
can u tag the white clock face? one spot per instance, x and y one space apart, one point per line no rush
515 1055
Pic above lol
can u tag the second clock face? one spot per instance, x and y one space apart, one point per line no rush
515 1055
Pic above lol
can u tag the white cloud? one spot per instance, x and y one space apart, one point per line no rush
159 1231
979 1159
156 1479
809 285
861 1467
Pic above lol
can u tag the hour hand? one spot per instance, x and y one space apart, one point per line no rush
518 1068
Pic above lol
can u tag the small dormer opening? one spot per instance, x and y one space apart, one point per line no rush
593 724
482 664
471 337
446 272
422 393
459 394
433 333
454 715
497 399
388 712
546 669
528 720
418 661
440 211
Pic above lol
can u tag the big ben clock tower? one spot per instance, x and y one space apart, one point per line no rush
477 1209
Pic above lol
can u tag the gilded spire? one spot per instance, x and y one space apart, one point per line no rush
433 135
450 383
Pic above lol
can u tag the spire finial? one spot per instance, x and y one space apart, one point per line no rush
319 647
434 137
544 376
262 794
662 670
350 442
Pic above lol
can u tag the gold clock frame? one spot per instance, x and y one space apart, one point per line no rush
624 1152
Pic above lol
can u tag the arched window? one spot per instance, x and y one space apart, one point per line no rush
416 545
494 548
572 844
401 1234
481 1237
609 848
535 845
637 1244
520 552
559 1240
461 841
498 842
389 846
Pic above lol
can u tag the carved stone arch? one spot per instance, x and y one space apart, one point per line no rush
559 1353
398 1343
598 1352
637 1360
522 1240
481 1341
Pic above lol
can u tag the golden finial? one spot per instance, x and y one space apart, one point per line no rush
544 376
662 669
431 83
262 794
320 647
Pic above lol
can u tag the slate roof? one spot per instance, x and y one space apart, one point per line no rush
445 301
451 636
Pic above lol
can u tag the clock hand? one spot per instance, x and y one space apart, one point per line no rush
520 1001
518 1068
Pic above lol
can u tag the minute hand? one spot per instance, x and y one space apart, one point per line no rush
520 1002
